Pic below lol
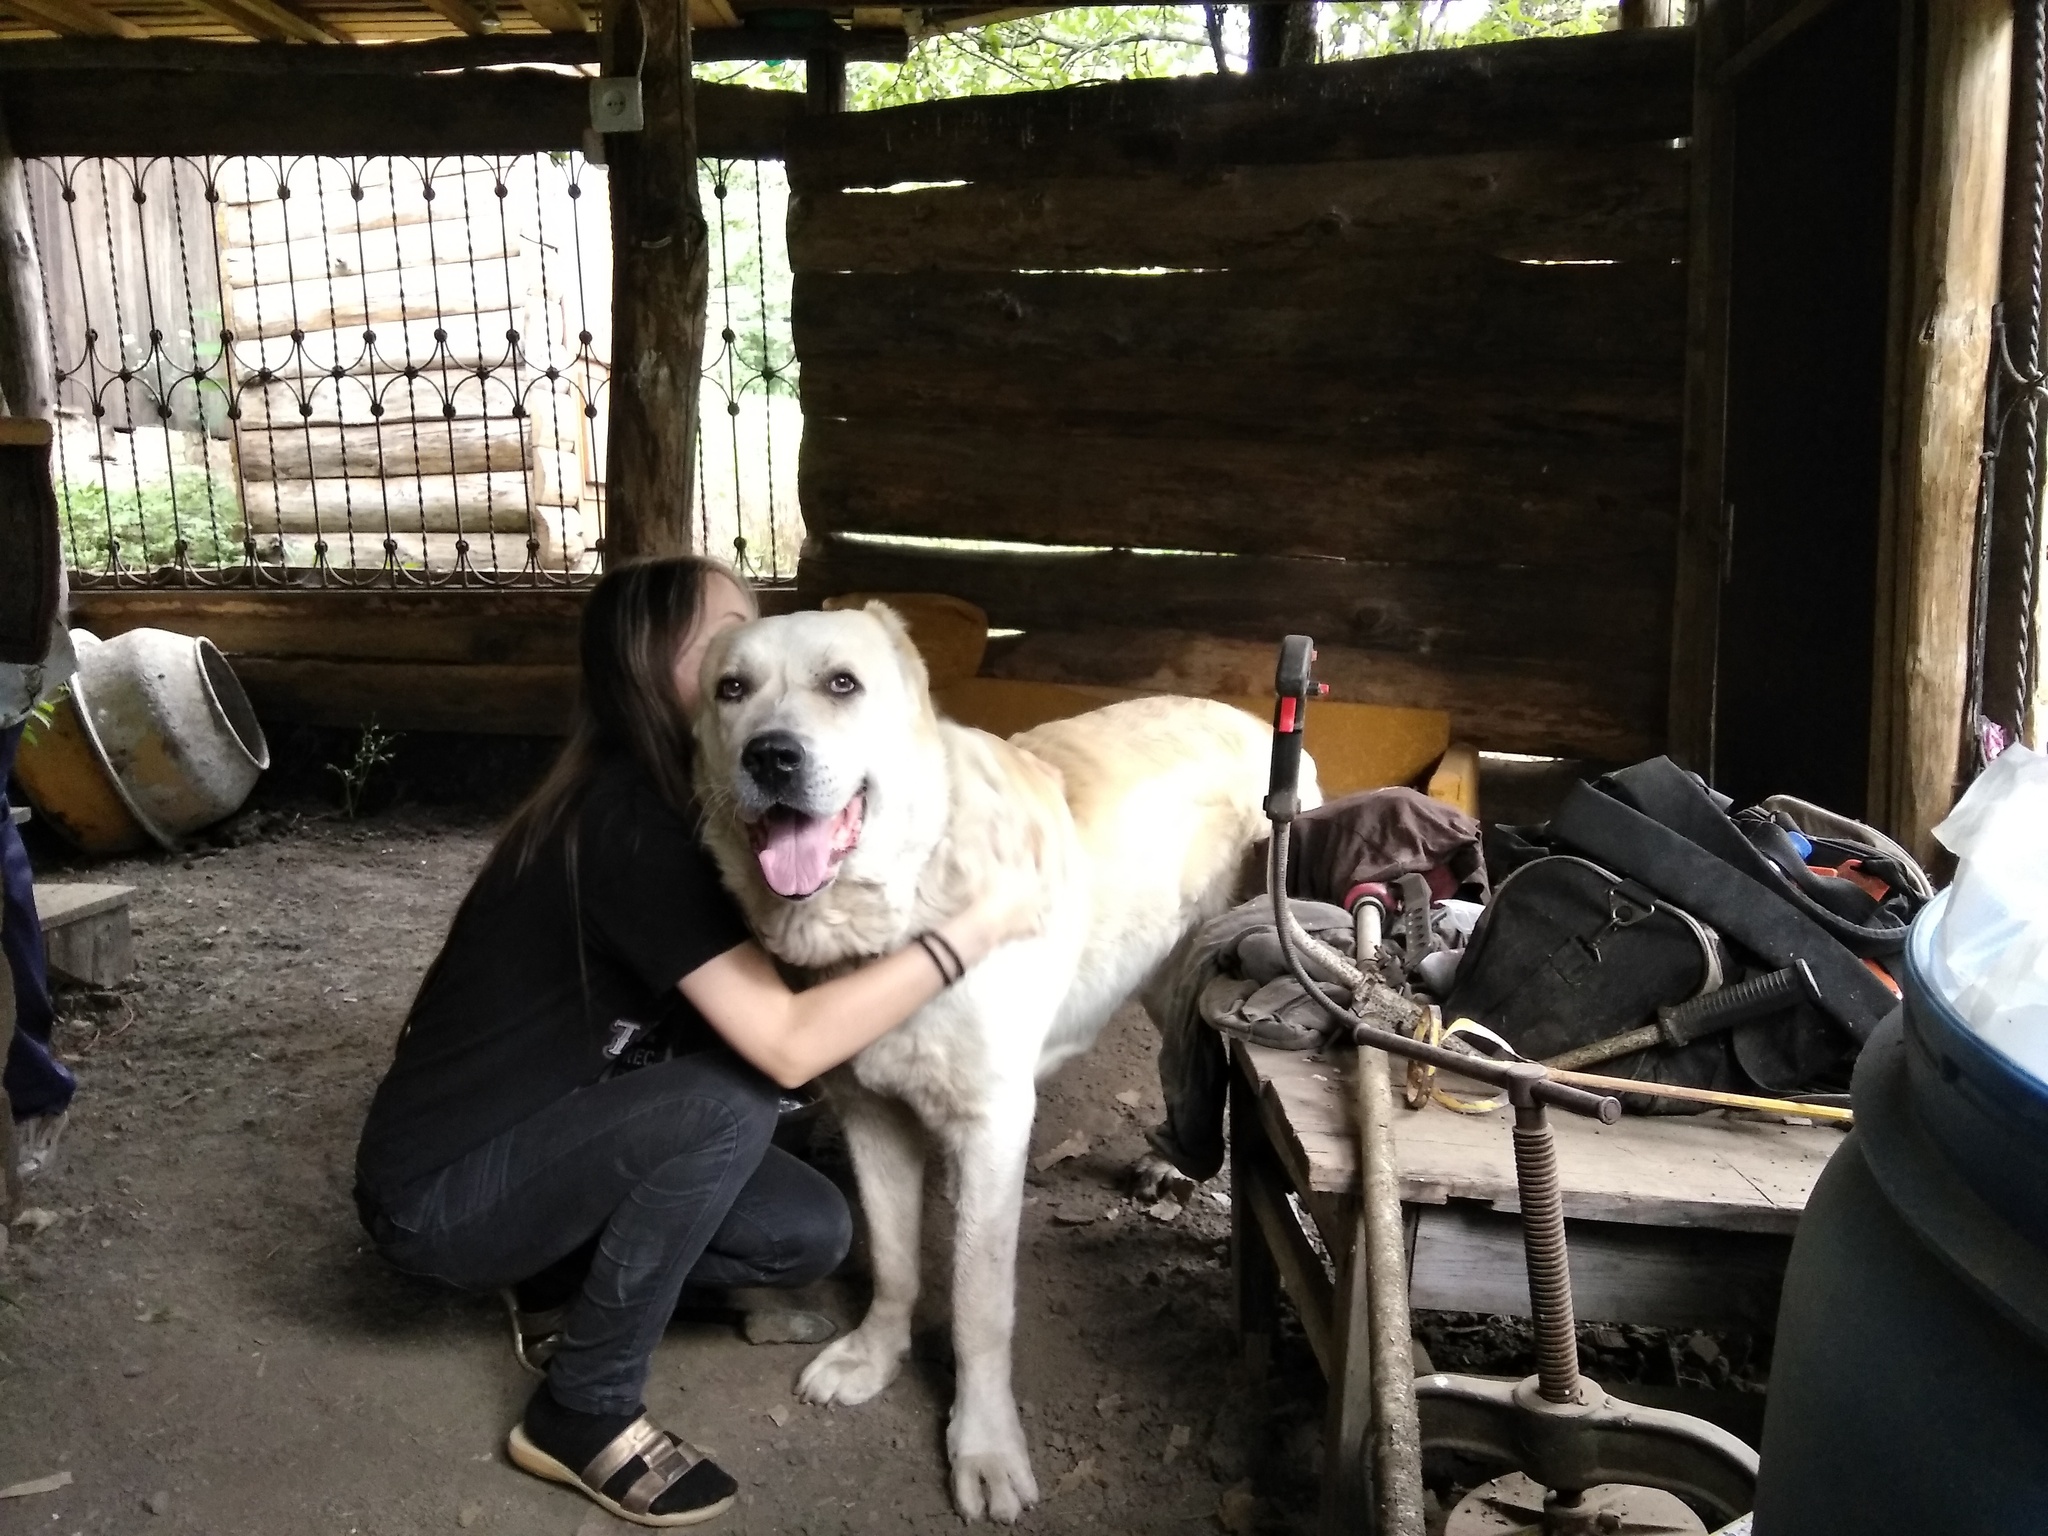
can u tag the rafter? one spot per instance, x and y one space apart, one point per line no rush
558 15
465 16
189 55
77 18
270 22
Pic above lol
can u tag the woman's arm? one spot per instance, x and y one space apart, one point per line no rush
793 1036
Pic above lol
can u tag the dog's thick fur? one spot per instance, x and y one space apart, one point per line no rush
1141 814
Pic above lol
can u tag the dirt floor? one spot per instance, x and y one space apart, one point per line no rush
202 1341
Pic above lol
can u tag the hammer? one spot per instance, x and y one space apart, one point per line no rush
1708 1014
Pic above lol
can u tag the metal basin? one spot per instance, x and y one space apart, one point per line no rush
164 720
64 770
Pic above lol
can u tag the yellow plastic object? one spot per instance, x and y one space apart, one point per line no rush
71 786
1356 746
950 633
1456 779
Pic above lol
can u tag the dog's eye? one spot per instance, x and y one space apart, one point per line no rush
845 684
731 689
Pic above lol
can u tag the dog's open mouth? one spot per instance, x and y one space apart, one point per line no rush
799 853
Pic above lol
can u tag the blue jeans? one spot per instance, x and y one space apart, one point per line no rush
667 1171
37 1082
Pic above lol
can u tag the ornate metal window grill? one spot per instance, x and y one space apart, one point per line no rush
383 371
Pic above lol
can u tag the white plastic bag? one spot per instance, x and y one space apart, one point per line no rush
1991 937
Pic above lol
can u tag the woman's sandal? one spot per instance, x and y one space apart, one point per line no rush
535 1335
610 1480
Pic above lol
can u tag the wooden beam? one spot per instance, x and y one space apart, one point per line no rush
1627 203
28 377
660 278
1606 89
201 56
883 45
462 14
268 21
1702 514
495 662
558 15
174 112
79 18
1954 114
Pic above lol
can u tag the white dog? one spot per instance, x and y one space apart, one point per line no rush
847 817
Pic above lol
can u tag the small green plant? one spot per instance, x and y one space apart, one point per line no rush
373 751
40 716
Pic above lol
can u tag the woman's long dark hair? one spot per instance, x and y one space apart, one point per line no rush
637 618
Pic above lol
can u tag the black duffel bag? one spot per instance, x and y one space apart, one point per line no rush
1597 923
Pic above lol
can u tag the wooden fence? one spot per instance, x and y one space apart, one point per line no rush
1389 352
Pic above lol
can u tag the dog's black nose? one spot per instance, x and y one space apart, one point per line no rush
773 759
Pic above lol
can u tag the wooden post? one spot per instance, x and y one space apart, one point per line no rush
660 276
1650 13
28 377
1702 511
825 82
1956 93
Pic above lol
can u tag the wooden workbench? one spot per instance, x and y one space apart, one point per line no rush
1681 1221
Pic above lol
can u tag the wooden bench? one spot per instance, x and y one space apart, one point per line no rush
1680 1221
86 932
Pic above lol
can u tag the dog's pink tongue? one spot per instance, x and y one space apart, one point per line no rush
795 852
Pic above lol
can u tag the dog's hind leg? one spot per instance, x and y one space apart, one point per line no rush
888 1148
991 1465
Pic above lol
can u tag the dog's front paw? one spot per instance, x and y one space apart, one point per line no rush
853 1370
991 1468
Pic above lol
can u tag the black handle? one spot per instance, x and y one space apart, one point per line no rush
1293 683
1729 1006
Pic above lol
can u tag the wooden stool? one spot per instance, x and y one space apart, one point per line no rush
1678 1221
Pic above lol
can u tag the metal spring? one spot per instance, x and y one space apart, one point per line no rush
1550 1281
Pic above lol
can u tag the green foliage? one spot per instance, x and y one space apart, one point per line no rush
1365 30
148 524
1088 43
1039 53
373 751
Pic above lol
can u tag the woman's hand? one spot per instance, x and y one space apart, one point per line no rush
793 1036
1012 907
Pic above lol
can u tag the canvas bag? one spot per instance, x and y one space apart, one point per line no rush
1568 953
1748 878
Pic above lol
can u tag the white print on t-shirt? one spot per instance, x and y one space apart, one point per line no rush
624 1033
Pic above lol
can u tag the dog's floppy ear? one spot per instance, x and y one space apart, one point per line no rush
899 636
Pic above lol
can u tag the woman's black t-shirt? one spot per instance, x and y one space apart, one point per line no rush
509 1019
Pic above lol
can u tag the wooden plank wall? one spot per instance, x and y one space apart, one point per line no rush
1391 352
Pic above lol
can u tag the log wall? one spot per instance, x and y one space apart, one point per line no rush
1391 352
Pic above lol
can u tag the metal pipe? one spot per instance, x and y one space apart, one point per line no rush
1396 1425
1396 1430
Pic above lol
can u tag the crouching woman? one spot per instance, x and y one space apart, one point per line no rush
505 1146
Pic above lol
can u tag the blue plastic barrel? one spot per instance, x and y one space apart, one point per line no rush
1909 1389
